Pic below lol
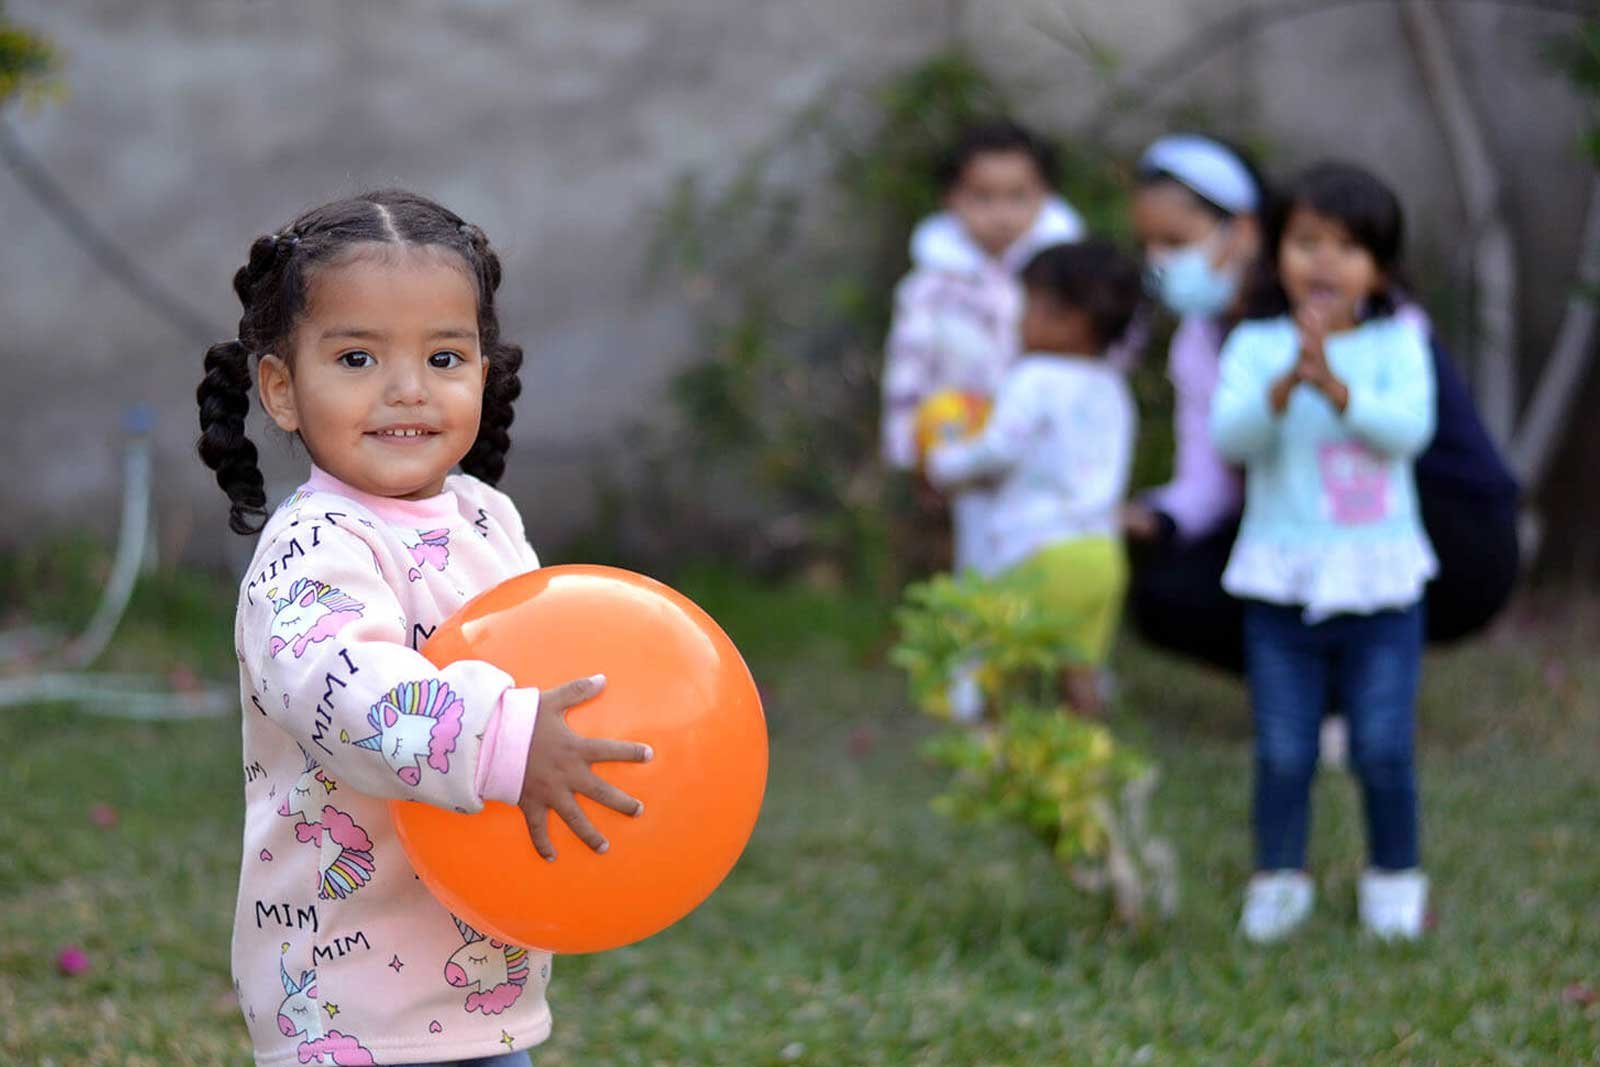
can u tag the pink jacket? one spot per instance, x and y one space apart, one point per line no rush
340 956
1205 491
956 317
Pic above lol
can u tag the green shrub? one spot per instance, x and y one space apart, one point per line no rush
1066 779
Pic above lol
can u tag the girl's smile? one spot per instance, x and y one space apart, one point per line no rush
1325 269
385 378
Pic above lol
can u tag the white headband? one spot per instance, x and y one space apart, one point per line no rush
1210 169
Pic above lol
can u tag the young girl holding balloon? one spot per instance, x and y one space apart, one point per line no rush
371 326
1326 396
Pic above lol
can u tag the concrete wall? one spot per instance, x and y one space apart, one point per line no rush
559 125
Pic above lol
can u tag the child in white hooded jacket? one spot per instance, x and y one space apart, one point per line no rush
957 313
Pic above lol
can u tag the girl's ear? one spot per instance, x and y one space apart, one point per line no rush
276 386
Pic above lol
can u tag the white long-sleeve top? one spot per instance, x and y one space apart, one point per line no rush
1060 444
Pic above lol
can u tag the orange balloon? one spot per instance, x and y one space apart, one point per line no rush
673 681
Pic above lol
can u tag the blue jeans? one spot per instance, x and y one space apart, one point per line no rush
507 1059
1370 665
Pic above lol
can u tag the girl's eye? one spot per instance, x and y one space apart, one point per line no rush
445 360
356 359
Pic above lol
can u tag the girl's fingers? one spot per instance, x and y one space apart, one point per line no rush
539 831
574 817
601 791
601 750
574 693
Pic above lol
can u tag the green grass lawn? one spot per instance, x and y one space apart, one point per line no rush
861 928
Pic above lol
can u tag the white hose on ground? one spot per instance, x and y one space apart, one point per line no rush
131 696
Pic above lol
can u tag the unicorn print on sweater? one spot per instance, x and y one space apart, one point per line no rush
344 857
299 1015
493 971
311 612
428 548
416 722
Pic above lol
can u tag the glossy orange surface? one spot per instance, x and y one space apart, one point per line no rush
674 681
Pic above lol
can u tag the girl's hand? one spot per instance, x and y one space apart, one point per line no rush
1313 335
558 769
1278 392
1139 522
1312 367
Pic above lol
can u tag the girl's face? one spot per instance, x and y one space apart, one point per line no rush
1048 325
997 198
1168 218
385 379
1325 270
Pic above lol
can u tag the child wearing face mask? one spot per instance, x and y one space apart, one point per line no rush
1196 208
957 313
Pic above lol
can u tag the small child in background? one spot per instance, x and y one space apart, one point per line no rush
1327 396
1058 447
956 313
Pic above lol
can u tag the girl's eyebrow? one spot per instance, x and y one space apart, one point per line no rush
357 333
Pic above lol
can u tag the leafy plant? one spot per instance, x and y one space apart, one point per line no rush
1064 778
1579 55
28 64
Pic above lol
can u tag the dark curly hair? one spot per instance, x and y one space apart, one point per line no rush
272 287
1093 276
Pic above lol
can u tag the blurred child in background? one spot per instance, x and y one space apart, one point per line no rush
1326 396
957 312
1058 449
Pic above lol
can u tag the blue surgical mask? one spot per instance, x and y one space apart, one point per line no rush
1187 283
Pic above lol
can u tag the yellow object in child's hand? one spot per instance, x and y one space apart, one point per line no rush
949 415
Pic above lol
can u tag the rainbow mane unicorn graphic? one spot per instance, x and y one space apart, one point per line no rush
494 970
430 548
298 1016
344 856
413 720
311 612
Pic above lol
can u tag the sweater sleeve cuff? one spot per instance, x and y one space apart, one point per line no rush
503 757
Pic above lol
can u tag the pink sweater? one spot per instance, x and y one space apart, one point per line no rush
1206 490
340 955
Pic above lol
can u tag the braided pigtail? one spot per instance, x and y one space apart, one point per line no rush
224 397
486 460
224 393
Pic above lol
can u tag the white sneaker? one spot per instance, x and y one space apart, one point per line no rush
965 694
1275 903
1393 904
